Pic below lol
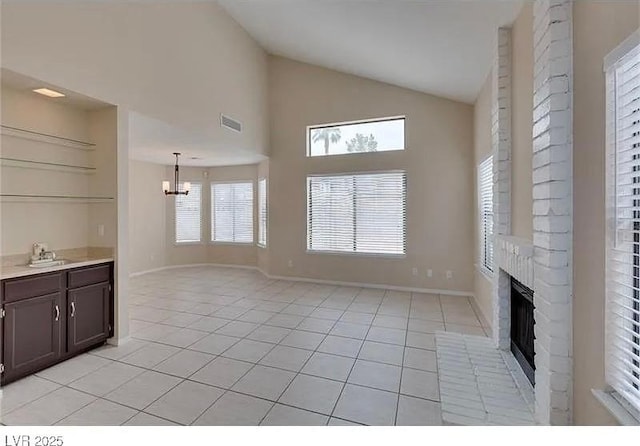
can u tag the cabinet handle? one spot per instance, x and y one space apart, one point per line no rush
73 309
57 313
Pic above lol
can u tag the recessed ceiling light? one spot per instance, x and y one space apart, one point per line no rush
48 92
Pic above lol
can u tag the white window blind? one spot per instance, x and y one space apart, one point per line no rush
485 212
262 212
623 218
361 213
232 212
189 215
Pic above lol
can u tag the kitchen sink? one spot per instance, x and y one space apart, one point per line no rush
49 263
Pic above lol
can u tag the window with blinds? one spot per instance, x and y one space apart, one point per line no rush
262 212
623 219
359 213
232 212
485 212
189 215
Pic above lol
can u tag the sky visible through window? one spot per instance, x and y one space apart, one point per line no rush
375 136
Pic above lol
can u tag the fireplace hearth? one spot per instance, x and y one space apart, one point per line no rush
522 323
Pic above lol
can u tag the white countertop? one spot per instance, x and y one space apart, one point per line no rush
10 272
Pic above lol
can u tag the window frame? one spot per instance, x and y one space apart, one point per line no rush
482 239
175 217
212 208
266 212
354 253
360 121
627 50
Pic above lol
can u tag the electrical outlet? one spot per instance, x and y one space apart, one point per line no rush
414 271
449 274
429 273
290 263
101 230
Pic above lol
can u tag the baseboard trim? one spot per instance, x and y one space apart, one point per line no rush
192 265
117 341
312 280
371 285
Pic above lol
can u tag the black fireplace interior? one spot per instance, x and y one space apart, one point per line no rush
522 322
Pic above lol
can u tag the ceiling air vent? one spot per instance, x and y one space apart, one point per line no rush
230 123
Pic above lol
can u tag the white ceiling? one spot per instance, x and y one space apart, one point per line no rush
442 47
150 139
24 83
154 141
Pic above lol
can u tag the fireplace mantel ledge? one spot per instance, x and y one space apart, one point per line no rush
516 258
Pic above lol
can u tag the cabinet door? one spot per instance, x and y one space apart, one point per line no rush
88 316
32 334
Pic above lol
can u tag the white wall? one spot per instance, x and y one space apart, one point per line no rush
152 228
438 160
182 62
147 226
598 28
61 224
483 286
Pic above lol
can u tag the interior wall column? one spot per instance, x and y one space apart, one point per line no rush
501 149
552 208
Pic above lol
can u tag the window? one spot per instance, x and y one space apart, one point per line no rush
623 221
485 212
232 212
189 215
262 212
361 213
380 135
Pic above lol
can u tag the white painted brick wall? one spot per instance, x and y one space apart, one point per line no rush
552 208
501 142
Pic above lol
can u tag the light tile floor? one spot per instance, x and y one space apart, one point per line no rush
224 346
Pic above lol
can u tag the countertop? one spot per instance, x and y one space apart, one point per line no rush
10 272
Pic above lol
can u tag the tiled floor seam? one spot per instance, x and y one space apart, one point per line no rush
316 301
296 375
404 351
353 365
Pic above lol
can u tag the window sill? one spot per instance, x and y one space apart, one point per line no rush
358 254
611 401
231 243
485 272
187 243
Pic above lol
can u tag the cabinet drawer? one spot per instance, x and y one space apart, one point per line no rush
89 275
32 286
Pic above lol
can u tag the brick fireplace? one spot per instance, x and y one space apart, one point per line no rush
543 264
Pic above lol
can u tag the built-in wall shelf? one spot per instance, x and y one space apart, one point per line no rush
46 138
42 165
18 198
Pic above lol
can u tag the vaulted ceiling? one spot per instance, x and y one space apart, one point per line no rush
442 47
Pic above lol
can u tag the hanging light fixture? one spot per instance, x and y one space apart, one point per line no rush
186 187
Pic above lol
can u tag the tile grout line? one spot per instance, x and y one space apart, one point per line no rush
254 366
344 385
404 350
308 291
303 366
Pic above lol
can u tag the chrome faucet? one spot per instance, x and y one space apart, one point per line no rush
47 255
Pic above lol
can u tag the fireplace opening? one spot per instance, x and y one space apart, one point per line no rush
522 322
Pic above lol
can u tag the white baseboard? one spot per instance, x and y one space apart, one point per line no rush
312 280
371 285
118 341
188 265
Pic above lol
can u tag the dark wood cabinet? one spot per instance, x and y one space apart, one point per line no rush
47 318
88 316
32 334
